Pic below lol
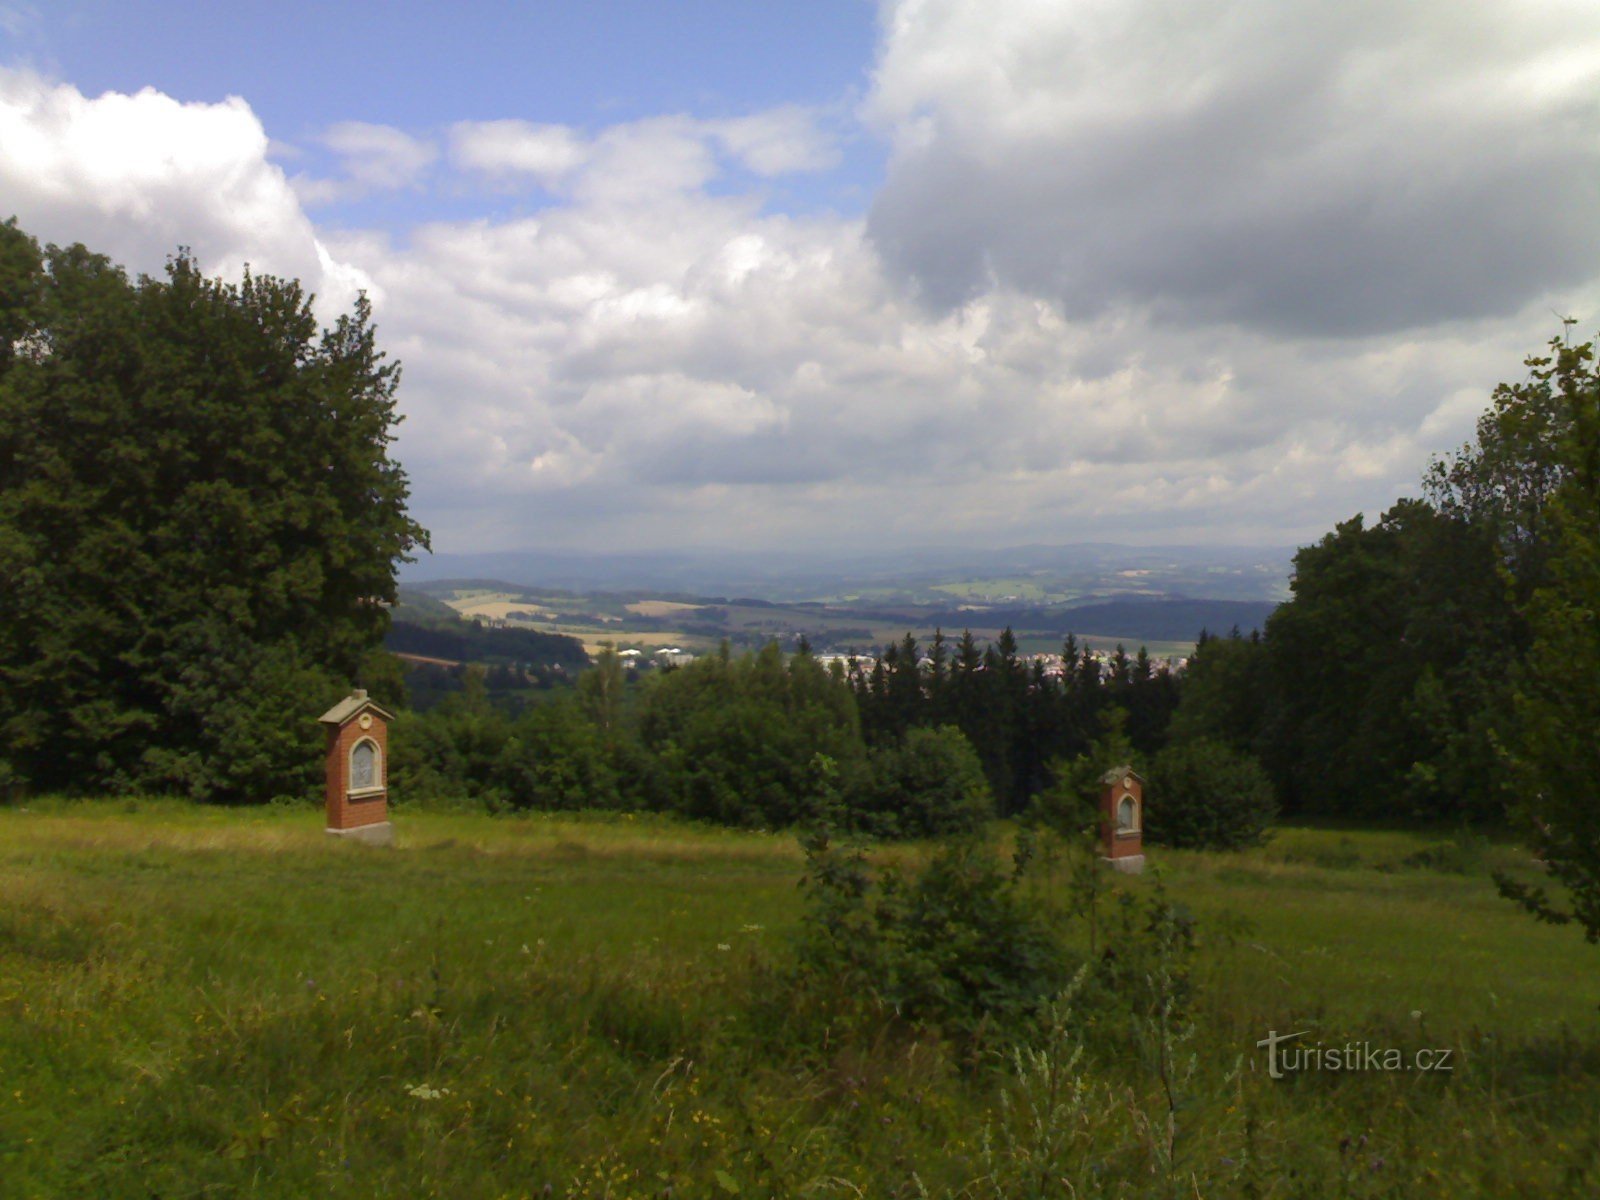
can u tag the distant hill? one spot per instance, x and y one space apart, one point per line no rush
425 626
416 607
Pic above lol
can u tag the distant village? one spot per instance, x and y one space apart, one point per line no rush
641 660
1053 664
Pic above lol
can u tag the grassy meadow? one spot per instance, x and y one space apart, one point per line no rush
212 1002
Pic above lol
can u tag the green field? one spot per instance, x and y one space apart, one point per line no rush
205 1002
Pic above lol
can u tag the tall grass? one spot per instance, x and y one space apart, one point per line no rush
202 1002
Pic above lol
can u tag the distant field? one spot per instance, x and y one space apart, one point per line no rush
1007 590
498 609
212 1002
660 608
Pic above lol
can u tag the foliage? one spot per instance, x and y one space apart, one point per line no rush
957 946
929 785
1387 666
1227 693
199 522
1504 481
556 758
1558 687
229 712
1205 796
453 752
459 640
1070 806
738 741
1019 718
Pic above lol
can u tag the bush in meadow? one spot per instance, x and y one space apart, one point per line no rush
956 946
929 785
1205 796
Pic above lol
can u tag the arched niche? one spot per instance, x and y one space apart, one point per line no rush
1127 815
366 766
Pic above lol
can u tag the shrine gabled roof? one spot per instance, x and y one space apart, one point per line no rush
1118 774
352 706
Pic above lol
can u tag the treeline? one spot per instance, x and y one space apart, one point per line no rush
1443 662
1378 687
760 740
426 626
916 746
1020 718
470 641
511 688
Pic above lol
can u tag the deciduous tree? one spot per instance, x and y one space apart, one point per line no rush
199 522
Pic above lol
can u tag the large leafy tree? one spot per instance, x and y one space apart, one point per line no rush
1385 670
199 522
1503 481
1555 733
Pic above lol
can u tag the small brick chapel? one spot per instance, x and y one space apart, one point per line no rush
1122 819
358 769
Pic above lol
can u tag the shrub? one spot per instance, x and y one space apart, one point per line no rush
1205 796
957 947
450 753
555 759
737 740
929 785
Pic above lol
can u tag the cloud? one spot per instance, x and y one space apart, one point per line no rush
18 20
545 153
778 141
1292 165
638 160
652 357
374 158
696 370
138 176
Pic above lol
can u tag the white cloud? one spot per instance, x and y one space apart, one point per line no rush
647 360
374 158
138 176
693 370
777 141
546 153
636 161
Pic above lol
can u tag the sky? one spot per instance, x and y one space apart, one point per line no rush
844 275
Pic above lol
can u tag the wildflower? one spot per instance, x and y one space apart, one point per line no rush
423 1092
724 946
